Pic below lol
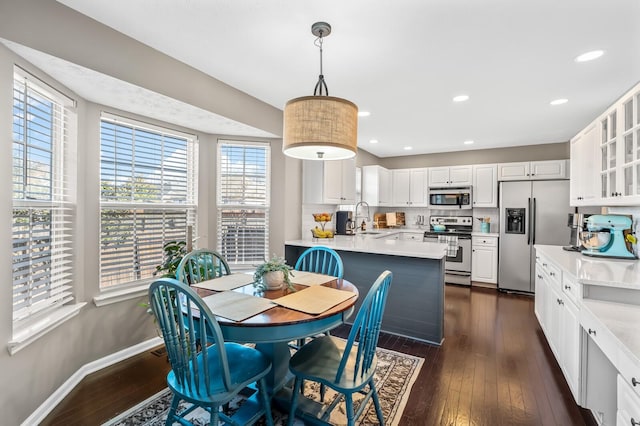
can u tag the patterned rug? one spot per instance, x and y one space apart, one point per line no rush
395 375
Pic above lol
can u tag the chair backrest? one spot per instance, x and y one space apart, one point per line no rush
322 260
174 304
366 327
201 265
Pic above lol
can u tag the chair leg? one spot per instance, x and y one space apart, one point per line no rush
262 390
215 416
376 402
294 400
323 391
350 416
172 411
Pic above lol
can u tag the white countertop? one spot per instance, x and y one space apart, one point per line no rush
485 234
622 320
372 243
595 271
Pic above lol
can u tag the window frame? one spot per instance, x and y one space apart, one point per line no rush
242 205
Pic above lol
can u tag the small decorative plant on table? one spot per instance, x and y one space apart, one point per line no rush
273 274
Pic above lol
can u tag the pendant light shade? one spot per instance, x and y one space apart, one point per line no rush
320 127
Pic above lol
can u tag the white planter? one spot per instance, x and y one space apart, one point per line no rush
273 280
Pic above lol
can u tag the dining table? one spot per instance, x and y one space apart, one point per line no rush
273 329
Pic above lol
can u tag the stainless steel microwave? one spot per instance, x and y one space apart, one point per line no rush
450 198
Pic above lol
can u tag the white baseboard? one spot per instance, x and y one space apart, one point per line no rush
56 397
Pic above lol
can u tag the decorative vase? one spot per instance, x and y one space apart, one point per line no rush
273 280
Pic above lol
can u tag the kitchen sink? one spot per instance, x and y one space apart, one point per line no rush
369 233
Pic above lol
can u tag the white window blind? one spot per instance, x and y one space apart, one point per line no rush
43 198
148 196
243 201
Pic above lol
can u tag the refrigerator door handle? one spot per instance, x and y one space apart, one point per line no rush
529 219
533 223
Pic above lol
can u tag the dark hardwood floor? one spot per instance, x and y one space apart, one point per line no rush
494 368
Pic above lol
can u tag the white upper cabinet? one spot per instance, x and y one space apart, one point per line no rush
485 185
376 185
440 177
534 170
584 183
409 187
329 182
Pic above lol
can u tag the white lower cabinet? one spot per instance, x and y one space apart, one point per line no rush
559 318
484 259
628 405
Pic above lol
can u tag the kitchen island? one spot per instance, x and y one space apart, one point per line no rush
415 304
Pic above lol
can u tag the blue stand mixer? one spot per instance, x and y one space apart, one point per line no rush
605 236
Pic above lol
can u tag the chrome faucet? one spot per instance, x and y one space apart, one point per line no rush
361 203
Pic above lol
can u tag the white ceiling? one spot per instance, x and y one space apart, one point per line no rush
405 60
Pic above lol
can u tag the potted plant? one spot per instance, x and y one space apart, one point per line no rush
272 274
174 251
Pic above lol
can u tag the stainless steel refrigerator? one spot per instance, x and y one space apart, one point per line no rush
531 212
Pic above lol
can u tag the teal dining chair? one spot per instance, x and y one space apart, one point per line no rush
345 366
322 260
201 265
213 375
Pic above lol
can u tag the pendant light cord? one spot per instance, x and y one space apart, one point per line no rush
321 88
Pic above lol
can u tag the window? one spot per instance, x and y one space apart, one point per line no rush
243 202
148 196
43 198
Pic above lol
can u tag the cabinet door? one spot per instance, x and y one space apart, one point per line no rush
401 187
513 171
332 188
460 176
384 196
418 187
484 262
540 303
438 177
348 181
554 169
570 341
608 156
554 310
584 178
485 185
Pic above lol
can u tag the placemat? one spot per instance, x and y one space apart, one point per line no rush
315 299
309 278
225 282
237 306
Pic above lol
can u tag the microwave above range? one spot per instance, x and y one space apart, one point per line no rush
450 198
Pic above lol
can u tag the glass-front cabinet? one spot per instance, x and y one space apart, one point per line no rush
608 157
630 138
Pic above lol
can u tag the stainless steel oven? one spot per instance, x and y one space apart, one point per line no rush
450 198
458 267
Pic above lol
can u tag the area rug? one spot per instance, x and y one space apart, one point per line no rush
395 375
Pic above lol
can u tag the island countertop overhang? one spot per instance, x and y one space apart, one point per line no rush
362 244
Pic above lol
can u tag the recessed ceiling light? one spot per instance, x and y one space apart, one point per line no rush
559 101
468 142
461 98
408 148
363 113
373 141
590 56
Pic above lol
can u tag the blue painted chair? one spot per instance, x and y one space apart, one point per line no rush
322 260
346 367
201 265
212 376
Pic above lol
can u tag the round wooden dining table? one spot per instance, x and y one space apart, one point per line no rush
273 329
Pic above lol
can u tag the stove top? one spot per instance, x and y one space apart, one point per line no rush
455 225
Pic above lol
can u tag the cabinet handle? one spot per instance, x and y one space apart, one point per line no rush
567 287
634 382
592 332
634 422
544 264
553 274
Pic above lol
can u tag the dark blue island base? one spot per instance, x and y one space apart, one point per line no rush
415 305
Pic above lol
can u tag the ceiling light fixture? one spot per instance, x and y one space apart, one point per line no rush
320 127
373 141
559 101
363 113
589 56
408 148
468 142
461 98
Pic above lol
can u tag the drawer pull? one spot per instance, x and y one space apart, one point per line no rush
553 274
634 422
539 276
567 287
634 382
544 264
592 332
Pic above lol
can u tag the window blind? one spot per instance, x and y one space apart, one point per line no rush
243 201
43 198
148 197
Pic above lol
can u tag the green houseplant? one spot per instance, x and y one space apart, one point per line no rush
174 251
272 274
